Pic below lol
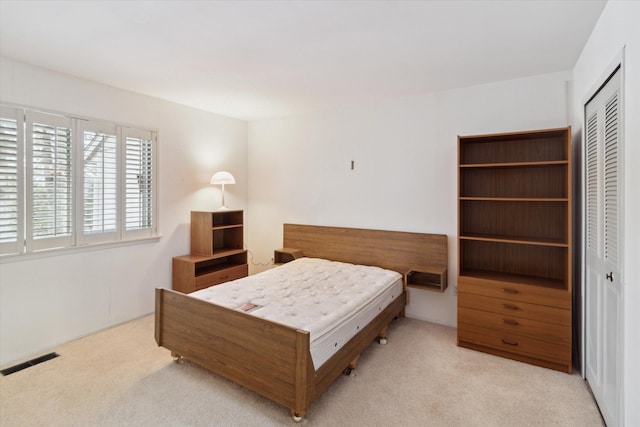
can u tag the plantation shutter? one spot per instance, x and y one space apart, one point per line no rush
11 179
610 178
49 181
67 181
140 183
592 183
610 137
98 201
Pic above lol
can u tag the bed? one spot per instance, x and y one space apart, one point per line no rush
270 357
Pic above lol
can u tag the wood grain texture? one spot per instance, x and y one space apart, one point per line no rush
514 324
509 308
550 354
216 232
274 360
393 250
429 277
510 290
515 254
195 272
255 353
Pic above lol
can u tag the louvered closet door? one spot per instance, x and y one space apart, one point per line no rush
603 307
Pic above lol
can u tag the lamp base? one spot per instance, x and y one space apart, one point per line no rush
223 207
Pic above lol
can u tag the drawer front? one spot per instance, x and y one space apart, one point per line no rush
515 292
512 343
515 325
513 308
217 277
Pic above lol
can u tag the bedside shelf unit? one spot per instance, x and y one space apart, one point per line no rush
431 278
216 232
514 242
284 255
217 252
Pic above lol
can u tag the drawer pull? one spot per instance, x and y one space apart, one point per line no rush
224 277
509 291
511 343
510 306
511 322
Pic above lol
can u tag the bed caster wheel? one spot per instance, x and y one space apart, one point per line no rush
297 418
382 341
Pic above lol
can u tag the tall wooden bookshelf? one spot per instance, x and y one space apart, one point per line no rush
514 285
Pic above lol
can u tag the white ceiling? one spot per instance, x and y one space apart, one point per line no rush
263 59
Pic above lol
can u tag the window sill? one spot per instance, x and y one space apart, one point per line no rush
45 253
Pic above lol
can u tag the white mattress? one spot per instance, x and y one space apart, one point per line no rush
331 300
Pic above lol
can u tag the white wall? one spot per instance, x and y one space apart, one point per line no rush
405 177
617 28
50 300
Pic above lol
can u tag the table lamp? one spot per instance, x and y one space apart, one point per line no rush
222 178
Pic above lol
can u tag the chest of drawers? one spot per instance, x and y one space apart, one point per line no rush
521 322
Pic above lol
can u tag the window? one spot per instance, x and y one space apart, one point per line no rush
49 202
99 193
139 171
66 182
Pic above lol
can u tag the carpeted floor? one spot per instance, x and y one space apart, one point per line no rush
119 377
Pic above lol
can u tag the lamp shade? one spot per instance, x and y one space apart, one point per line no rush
222 178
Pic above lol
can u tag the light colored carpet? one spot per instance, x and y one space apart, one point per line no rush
119 377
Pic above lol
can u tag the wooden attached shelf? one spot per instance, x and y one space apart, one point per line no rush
537 221
513 261
284 255
513 164
530 147
221 219
432 278
195 272
216 232
517 279
537 180
522 240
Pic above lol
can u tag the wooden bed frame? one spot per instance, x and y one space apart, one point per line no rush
272 359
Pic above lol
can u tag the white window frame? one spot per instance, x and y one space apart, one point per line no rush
26 243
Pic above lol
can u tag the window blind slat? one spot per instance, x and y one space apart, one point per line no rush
99 183
9 181
51 181
139 183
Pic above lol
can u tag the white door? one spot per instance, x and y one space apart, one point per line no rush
603 233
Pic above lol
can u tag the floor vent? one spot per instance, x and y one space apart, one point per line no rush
28 364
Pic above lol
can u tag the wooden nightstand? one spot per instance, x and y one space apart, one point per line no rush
429 277
283 255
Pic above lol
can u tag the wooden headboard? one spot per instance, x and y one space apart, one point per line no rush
393 250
